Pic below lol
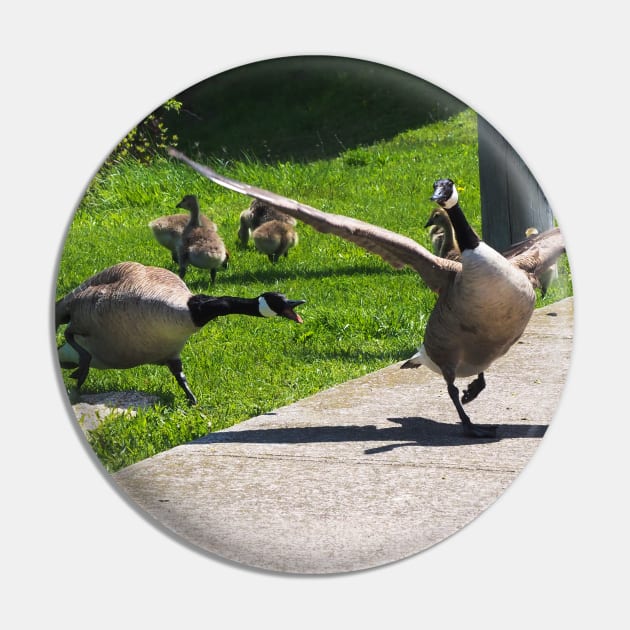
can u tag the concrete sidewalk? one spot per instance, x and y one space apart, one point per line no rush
365 473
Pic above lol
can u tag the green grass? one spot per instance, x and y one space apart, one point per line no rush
360 314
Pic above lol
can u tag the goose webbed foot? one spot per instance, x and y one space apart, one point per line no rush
470 429
474 389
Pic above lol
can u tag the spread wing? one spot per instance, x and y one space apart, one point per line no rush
396 249
536 254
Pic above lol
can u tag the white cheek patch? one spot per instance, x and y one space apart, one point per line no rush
264 309
452 200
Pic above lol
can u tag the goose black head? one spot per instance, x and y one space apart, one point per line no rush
271 304
189 202
445 193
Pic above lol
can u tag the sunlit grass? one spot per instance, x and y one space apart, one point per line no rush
360 314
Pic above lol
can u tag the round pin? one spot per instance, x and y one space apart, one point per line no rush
314 315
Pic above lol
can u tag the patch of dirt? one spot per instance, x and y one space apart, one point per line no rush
92 409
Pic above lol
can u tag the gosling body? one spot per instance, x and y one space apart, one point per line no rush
443 241
275 239
259 212
200 246
168 229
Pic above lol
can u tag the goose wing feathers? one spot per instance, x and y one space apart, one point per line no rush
394 248
125 281
536 254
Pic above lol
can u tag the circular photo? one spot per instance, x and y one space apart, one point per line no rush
313 315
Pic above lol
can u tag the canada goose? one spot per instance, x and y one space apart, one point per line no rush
442 235
199 246
484 303
259 212
168 230
275 238
129 315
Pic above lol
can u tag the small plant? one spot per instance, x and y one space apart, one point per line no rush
149 138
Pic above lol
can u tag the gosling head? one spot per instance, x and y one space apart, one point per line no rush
271 304
189 202
445 193
438 218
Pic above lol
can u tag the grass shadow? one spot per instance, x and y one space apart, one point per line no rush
303 108
275 273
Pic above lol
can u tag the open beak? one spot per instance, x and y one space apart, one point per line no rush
289 313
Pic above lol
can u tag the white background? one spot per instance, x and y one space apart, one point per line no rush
553 550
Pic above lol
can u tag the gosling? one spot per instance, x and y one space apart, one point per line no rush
259 212
443 240
168 230
200 246
275 238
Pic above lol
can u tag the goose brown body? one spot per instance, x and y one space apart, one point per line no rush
128 315
484 301
461 338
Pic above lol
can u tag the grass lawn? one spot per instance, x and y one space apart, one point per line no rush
360 314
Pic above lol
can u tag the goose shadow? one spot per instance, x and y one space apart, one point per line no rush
407 431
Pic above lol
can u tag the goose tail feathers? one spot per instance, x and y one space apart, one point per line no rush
411 363
414 362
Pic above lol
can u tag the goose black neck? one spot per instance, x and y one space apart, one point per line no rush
204 308
466 237
194 214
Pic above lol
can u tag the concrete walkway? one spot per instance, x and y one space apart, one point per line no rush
365 473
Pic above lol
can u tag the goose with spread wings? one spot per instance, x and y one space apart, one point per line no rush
484 302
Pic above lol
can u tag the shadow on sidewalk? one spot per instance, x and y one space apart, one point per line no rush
410 431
